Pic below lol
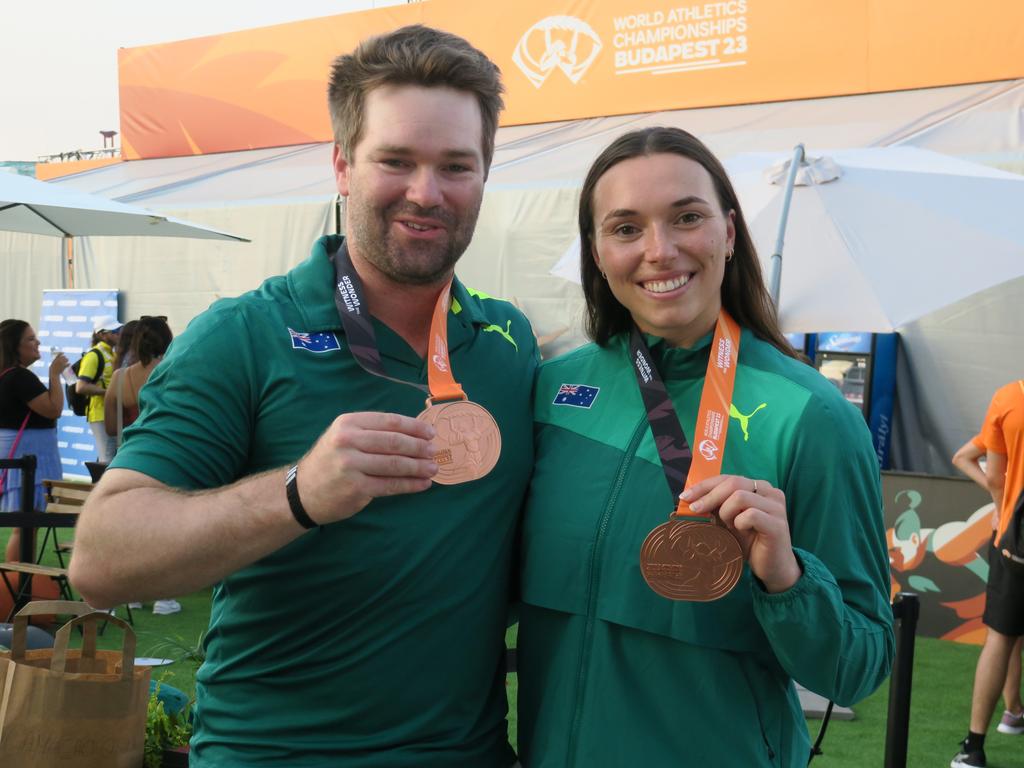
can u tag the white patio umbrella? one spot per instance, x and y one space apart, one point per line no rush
879 237
41 208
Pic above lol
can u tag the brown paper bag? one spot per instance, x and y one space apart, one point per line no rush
83 708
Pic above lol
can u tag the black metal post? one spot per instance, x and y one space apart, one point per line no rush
27 466
905 610
28 504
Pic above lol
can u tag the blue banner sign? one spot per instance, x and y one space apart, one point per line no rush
844 342
66 324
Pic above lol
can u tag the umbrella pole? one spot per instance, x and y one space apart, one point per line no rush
69 256
775 281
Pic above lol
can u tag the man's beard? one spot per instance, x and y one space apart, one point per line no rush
410 263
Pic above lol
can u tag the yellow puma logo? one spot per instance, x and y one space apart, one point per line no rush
506 334
744 419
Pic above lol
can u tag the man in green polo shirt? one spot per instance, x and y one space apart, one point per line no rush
358 606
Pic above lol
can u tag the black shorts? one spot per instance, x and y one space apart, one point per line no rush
1004 596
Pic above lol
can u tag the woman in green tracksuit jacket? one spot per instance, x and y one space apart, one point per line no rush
611 673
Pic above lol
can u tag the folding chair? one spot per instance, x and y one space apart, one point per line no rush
64 500
66 497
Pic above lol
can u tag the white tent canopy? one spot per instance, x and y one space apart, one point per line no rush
870 230
283 198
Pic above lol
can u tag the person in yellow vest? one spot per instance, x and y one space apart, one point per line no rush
93 379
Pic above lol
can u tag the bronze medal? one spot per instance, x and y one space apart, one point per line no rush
468 440
693 561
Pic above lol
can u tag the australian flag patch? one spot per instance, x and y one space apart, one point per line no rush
321 341
579 395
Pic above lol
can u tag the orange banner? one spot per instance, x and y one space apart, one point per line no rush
566 60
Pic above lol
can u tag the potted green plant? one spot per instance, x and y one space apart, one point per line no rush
166 735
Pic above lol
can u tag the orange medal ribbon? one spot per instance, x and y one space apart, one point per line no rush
713 412
684 559
440 380
468 438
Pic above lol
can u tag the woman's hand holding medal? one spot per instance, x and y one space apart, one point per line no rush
755 512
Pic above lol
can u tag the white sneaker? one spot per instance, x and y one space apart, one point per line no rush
165 607
135 606
1011 723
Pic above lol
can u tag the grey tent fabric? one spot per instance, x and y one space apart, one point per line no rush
951 363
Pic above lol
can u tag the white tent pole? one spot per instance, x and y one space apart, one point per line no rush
776 275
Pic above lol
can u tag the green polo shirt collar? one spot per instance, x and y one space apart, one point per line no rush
312 285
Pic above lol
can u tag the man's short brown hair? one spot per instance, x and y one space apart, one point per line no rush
413 55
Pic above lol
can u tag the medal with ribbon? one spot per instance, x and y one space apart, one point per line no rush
691 557
468 438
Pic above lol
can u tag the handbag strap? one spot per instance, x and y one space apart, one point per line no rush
58 663
17 438
37 608
24 423
120 403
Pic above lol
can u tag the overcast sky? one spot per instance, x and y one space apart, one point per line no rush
58 58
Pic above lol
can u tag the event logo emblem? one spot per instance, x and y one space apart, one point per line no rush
708 449
440 356
557 42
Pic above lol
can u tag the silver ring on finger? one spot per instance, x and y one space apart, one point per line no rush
755 486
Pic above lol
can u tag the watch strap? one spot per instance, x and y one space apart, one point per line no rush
291 486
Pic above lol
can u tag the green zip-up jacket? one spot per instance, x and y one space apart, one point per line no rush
611 674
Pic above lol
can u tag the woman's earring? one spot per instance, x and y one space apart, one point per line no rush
728 255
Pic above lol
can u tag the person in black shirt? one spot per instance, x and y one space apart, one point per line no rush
28 416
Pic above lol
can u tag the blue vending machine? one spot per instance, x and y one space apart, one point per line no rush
863 368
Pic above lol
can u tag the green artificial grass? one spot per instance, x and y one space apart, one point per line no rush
940 707
940 702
